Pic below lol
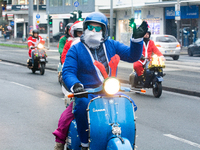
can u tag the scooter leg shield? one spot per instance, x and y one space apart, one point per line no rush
73 141
118 144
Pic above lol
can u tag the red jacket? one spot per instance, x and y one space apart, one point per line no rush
150 49
65 50
34 42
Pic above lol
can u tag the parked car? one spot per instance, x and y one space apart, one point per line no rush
168 45
56 37
194 48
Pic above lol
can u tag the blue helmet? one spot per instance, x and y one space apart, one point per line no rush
98 18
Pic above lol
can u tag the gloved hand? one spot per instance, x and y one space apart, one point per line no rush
79 88
140 31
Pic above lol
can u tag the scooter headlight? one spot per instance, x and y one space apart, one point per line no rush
40 46
111 86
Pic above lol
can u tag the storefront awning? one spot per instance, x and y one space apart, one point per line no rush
9 16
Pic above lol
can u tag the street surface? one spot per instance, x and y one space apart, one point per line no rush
182 74
31 105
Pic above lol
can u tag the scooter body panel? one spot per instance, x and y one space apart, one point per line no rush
102 113
117 144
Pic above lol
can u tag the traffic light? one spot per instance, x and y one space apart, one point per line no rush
50 20
80 15
132 23
73 17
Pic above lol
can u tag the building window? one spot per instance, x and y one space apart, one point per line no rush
9 1
14 2
53 3
67 2
20 2
81 2
43 28
60 3
41 2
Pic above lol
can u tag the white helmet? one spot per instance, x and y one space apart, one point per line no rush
77 26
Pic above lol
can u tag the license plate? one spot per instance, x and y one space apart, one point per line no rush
42 59
171 51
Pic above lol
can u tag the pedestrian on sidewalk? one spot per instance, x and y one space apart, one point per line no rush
4 34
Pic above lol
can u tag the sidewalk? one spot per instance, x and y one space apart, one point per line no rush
54 45
20 42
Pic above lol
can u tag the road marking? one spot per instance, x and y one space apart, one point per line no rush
182 140
184 95
52 50
10 64
21 85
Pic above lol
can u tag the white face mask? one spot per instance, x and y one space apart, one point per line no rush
93 39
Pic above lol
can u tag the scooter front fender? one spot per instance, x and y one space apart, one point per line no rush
118 144
158 79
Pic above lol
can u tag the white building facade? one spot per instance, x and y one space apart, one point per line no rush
18 20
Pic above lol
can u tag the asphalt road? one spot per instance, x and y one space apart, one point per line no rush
31 105
182 74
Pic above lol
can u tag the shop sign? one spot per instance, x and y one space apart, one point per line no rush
41 7
19 19
24 7
186 12
154 25
19 7
137 14
9 7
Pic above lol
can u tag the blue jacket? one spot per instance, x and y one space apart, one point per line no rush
79 67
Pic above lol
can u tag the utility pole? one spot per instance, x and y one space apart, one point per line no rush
131 8
48 31
37 6
178 18
38 11
30 15
111 19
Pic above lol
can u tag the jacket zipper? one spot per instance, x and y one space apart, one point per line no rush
96 55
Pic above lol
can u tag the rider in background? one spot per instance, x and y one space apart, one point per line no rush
63 40
33 41
75 32
149 48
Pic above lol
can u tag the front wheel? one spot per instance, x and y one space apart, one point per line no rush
42 69
33 70
157 89
176 57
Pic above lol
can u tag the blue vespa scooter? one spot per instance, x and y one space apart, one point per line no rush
111 118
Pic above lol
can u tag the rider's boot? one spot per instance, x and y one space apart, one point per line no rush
59 146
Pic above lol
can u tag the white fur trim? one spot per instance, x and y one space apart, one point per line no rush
84 144
75 41
104 48
136 40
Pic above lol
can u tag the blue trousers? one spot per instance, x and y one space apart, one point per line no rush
80 115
